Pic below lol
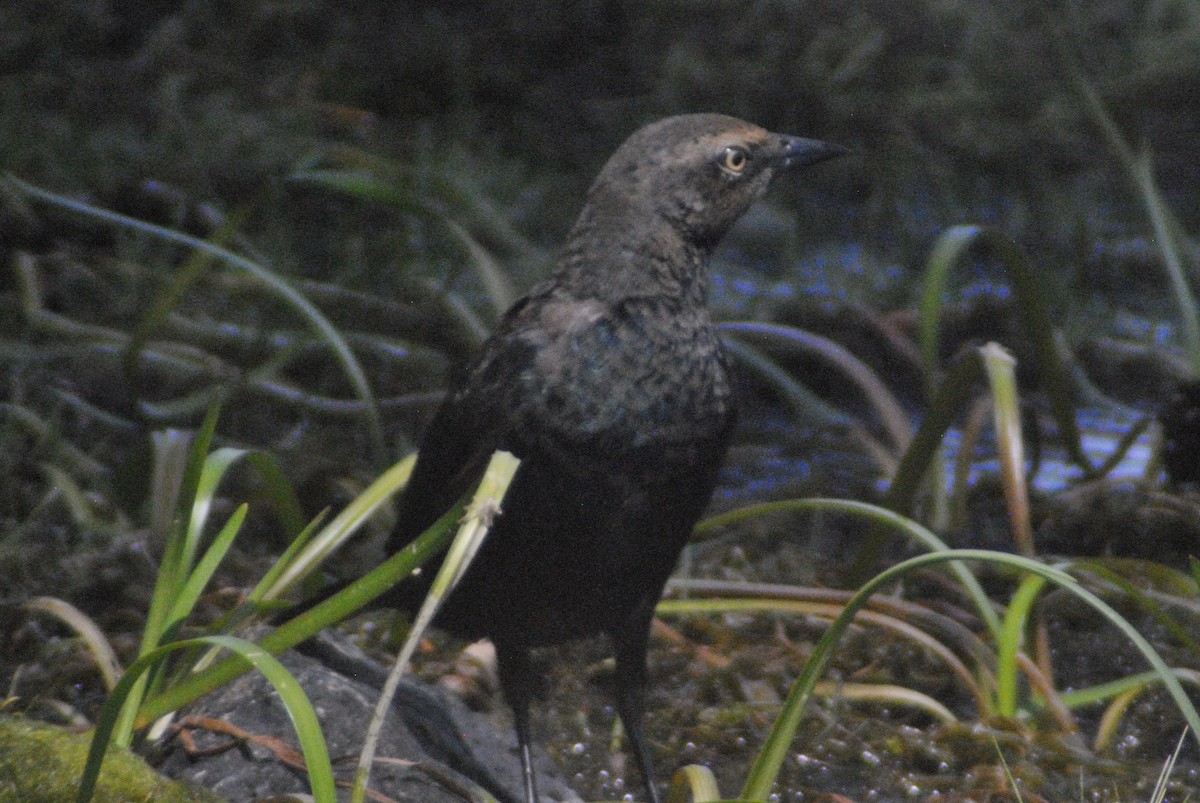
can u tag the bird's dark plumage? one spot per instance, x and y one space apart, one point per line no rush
608 381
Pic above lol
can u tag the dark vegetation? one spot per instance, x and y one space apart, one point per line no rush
405 167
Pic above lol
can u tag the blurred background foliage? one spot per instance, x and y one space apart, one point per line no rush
958 109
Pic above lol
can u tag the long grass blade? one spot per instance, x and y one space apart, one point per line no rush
949 250
802 401
97 643
190 272
1011 641
365 185
922 458
1000 367
478 521
277 284
891 413
290 571
1077 698
1138 170
879 515
198 579
694 783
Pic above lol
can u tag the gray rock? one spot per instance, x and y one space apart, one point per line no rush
445 741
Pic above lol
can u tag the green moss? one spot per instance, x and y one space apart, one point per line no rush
40 762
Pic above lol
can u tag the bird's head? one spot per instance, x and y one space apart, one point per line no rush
699 173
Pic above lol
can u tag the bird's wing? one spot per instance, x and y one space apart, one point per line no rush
474 420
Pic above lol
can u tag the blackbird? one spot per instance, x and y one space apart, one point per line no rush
609 382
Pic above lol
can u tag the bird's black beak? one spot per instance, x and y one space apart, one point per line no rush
800 151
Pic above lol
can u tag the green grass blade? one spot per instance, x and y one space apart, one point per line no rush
198 579
193 268
280 492
950 248
950 399
1164 228
175 564
482 511
1138 170
1077 698
301 541
216 466
342 527
1009 644
351 599
171 457
1008 776
158 622
198 451
922 458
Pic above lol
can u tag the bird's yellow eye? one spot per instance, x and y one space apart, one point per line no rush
734 159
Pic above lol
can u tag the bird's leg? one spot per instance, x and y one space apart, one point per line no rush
517 681
630 649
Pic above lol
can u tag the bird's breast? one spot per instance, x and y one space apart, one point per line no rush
639 372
